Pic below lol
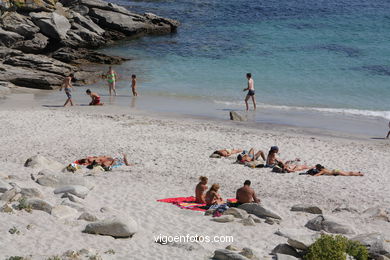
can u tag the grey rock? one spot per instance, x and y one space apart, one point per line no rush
223 219
258 210
87 217
236 212
114 227
88 37
249 221
225 254
81 9
382 257
87 23
374 243
327 224
285 257
378 213
235 116
39 204
9 195
80 56
31 193
77 190
255 218
40 162
63 212
269 221
4 186
307 208
4 88
248 253
36 45
53 25
9 39
20 24
77 206
73 198
298 240
63 180
285 249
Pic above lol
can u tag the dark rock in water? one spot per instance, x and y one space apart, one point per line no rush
236 117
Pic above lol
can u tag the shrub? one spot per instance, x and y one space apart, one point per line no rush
15 258
329 247
23 205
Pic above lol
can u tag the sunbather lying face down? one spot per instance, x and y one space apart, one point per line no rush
213 197
323 171
250 156
200 189
104 161
227 152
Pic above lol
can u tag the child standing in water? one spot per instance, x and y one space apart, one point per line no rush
134 85
67 86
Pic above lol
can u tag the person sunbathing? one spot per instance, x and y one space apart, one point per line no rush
104 161
227 152
250 156
246 194
288 166
323 171
200 189
213 197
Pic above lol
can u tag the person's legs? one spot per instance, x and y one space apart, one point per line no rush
66 102
113 88
254 102
260 153
388 134
71 102
246 102
351 173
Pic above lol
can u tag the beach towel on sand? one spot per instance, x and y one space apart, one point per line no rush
189 203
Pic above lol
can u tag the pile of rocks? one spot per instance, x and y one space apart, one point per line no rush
43 41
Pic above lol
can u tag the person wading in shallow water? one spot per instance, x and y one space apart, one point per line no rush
67 86
111 77
251 92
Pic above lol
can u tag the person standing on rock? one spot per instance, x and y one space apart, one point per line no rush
246 194
134 85
251 91
67 86
111 77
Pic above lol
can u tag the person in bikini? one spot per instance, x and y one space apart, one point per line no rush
288 166
251 92
67 86
200 189
213 197
246 194
95 98
104 161
250 156
323 171
227 152
111 77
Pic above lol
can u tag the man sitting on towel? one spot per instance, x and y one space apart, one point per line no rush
246 194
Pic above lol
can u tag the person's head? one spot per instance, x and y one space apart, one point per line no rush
319 167
249 75
203 179
214 187
274 149
82 161
88 92
110 68
247 183
71 75
133 76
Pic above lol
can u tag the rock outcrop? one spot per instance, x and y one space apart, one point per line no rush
42 41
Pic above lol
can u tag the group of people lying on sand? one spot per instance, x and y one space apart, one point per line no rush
278 165
107 163
212 197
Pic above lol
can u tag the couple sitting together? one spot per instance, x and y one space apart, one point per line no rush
212 197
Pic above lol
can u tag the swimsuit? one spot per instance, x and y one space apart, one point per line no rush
68 92
251 92
111 78
96 101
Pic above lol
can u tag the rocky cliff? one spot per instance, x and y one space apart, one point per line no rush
41 41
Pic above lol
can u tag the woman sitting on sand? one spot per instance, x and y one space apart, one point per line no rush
288 166
250 156
323 171
213 197
200 189
226 152
104 161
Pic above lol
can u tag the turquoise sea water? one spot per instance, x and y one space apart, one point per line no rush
331 56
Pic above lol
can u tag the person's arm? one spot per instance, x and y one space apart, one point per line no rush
320 173
255 199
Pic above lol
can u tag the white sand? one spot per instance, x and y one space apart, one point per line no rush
171 154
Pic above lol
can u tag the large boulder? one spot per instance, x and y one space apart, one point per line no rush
117 228
87 23
374 243
324 223
56 181
9 39
297 239
285 249
77 190
79 56
36 45
39 204
20 24
307 208
236 212
258 210
88 37
35 5
53 25
41 162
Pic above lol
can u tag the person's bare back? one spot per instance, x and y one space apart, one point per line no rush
200 189
246 194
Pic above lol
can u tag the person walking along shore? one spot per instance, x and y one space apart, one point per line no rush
251 92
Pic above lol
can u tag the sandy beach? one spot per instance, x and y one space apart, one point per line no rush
170 154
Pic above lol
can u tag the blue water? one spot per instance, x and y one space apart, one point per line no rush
327 55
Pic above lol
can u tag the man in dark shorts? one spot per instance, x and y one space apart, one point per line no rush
67 86
251 91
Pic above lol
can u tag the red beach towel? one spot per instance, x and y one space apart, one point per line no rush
189 203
